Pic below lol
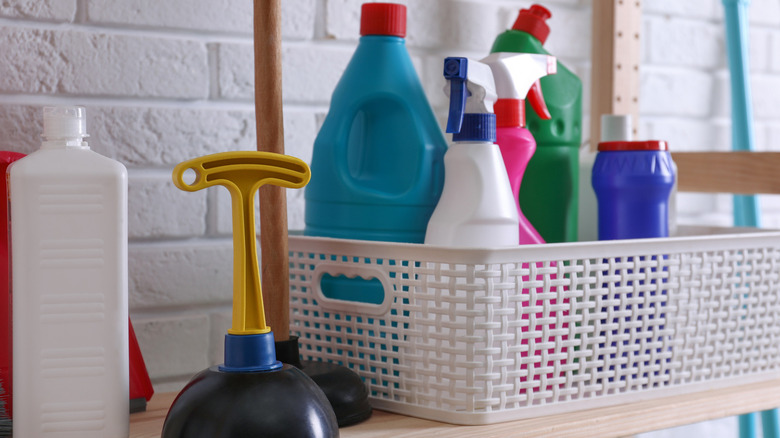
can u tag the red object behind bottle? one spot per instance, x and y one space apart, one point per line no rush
140 385
6 345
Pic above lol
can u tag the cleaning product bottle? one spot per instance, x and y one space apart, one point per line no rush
514 75
476 208
6 372
377 161
633 181
69 272
377 165
549 192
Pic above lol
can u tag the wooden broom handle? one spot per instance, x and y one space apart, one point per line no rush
270 138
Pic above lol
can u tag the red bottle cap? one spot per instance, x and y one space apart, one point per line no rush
648 145
533 21
509 113
383 19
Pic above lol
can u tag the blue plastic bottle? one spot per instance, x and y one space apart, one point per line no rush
377 167
632 181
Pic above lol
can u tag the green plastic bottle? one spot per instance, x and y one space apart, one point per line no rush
549 191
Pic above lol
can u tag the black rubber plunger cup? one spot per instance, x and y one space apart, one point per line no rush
345 390
252 394
248 403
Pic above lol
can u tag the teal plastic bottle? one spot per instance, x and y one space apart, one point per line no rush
550 188
377 167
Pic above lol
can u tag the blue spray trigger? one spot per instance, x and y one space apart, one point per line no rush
456 71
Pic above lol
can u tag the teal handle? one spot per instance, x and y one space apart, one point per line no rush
746 208
770 424
747 425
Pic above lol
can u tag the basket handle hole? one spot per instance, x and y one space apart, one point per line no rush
356 289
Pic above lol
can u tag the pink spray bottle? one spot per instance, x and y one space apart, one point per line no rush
515 74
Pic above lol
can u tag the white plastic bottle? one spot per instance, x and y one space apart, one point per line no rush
69 268
476 207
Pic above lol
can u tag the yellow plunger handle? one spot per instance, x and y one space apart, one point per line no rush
243 173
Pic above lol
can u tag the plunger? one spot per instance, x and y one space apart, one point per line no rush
345 390
252 394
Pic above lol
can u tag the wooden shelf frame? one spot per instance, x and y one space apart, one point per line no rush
615 56
615 60
740 172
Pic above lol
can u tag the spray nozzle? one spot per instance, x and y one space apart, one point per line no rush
455 72
471 90
536 99
517 77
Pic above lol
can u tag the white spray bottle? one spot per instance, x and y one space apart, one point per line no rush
476 208
69 268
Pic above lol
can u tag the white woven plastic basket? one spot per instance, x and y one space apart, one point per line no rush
476 336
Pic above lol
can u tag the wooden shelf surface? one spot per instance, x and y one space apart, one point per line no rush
613 421
728 172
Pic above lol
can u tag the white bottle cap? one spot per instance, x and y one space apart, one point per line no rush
615 127
64 122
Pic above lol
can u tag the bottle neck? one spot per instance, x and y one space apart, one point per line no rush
476 128
380 46
518 41
381 40
65 143
510 113
382 52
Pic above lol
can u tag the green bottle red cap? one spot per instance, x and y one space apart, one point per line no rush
533 21
383 19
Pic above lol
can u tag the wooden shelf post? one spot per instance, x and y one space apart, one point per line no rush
615 57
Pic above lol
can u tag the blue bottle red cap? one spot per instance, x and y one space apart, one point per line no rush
647 145
383 19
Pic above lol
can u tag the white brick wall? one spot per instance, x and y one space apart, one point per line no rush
197 15
165 81
76 62
58 10
187 334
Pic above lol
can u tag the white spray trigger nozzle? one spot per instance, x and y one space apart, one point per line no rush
515 73
471 89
